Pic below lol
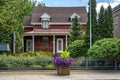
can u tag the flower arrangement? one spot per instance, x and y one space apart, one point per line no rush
63 60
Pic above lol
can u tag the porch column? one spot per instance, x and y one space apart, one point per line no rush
53 44
33 43
66 41
22 43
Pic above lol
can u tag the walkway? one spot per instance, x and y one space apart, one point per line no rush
51 75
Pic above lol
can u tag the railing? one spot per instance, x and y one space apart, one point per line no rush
78 64
97 64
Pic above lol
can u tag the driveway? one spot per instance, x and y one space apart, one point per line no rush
51 75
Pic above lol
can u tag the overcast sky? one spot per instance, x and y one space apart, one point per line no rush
70 3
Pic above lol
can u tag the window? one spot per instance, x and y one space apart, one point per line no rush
45 42
45 20
45 24
59 45
29 46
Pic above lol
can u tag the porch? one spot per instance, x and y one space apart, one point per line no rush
45 40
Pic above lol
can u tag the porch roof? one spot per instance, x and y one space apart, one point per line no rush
48 32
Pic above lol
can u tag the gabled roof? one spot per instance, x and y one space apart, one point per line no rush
59 14
115 9
27 21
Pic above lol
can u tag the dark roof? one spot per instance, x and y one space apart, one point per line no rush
4 47
59 14
27 21
115 9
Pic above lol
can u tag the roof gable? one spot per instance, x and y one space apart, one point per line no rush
45 16
73 15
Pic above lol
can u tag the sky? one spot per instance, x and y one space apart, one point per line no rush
72 3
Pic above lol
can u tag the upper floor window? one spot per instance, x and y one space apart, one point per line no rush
73 16
45 24
45 19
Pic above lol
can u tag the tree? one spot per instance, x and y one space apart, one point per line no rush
11 18
41 4
94 25
105 23
109 22
101 23
75 33
76 48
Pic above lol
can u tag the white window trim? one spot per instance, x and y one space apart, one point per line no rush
61 45
45 24
45 16
73 16
27 44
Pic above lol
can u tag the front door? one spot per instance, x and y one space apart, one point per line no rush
29 45
59 45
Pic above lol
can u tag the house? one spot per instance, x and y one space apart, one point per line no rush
116 17
48 28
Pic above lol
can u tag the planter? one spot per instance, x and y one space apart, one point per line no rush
63 70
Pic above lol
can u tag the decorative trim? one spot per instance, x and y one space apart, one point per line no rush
45 17
73 15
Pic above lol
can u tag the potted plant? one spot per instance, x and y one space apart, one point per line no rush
63 63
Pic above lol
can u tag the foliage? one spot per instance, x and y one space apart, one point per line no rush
41 4
105 23
11 18
76 48
39 60
75 33
65 54
64 60
101 23
32 54
105 48
109 22
95 28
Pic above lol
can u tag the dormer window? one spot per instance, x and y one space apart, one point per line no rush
73 16
45 20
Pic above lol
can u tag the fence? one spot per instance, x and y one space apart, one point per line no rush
47 64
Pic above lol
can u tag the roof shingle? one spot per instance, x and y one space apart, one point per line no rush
59 14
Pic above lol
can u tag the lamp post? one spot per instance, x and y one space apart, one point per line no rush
90 25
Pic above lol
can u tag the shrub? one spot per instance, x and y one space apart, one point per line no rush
105 48
35 54
76 48
26 60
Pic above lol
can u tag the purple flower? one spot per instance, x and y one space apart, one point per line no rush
58 61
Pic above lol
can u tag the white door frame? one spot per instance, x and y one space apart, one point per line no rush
59 39
27 44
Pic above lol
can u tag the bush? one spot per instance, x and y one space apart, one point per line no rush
35 54
105 48
76 48
26 60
